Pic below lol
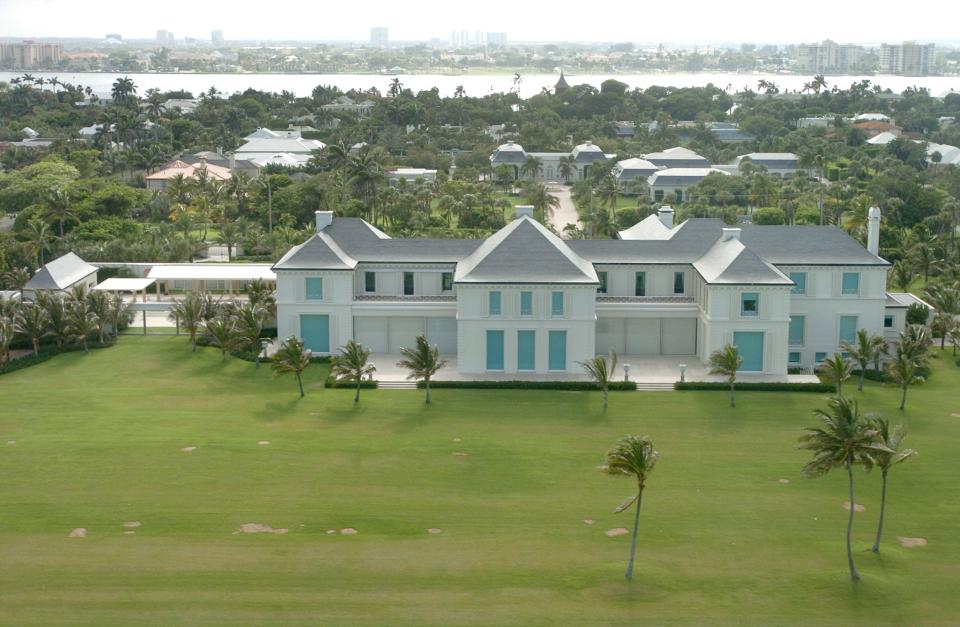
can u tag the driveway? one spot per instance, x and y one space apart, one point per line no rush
566 213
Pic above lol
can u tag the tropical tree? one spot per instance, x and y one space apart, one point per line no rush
423 361
836 370
291 358
727 362
565 168
892 454
532 167
843 439
229 236
261 295
249 319
955 339
915 342
188 312
32 321
544 203
904 371
82 322
866 350
58 323
222 332
352 364
601 370
7 331
902 275
99 303
118 314
57 207
635 457
17 279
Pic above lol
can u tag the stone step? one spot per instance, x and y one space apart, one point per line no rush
654 387
397 385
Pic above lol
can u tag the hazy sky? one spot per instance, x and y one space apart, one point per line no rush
694 21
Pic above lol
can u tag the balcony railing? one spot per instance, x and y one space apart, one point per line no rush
652 300
420 298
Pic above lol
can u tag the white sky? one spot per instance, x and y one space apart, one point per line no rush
691 21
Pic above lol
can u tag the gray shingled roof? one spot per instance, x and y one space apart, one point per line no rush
320 252
61 273
508 153
524 251
729 262
808 245
366 243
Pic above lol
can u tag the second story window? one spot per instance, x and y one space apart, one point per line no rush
800 278
640 284
314 287
446 281
408 283
526 303
602 288
851 283
556 304
369 282
750 304
678 283
493 304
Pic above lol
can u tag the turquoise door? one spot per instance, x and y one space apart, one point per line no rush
558 350
750 345
526 350
494 350
315 332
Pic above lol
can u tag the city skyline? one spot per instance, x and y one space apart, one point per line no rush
716 24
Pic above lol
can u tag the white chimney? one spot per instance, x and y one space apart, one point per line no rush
873 231
665 214
324 219
525 210
731 232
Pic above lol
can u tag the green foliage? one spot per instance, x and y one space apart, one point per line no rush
768 215
819 388
614 386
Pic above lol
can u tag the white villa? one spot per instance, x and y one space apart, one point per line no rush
525 302
513 155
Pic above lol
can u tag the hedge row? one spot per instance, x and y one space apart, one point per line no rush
823 388
46 353
336 383
616 386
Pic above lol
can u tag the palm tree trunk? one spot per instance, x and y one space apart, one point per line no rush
883 506
427 382
733 395
36 346
903 399
633 540
193 341
853 569
300 384
863 372
256 359
605 397
356 397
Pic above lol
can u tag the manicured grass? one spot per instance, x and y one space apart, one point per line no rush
722 540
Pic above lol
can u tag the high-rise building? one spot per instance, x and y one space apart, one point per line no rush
216 38
496 39
908 58
827 57
30 55
164 38
379 37
460 39
116 36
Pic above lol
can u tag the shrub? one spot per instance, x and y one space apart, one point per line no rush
823 388
366 384
768 215
917 314
575 386
46 353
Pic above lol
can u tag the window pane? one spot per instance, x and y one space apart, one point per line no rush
797 330
408 283
819 357
447 281
526 303
848 329
556 304
526 350
603 282
851 282
794 357
494 303
370 281
888 322
314 288
640 289
558 350
800 278
494 350
678 283
749 304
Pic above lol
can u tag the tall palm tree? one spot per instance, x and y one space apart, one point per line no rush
32 321
261 295
82 322
99 303
291 358
352 364
868 349
250 318
844 439
893 454
609 191
38 238
423 361
915 342
565 168
188 312
727 362
600 369
17 279
58 322
544 203
632 456
223 333
836 370
7 331
532 167
57 205
902 275
904 371
229 236
118 314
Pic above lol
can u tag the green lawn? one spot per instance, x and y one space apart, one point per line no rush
722 541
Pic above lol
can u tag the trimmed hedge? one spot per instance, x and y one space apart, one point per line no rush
47 353
574 386
352 385
823 388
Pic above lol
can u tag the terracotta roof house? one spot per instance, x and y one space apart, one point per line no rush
160 178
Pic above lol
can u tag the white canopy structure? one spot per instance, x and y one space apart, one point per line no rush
116 284
212 272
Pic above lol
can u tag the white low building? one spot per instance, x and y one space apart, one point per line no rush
523 301
578 160
678 181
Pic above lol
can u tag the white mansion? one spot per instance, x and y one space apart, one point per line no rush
525 301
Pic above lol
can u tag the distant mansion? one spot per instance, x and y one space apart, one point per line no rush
525 301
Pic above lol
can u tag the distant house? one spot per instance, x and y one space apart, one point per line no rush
729 132
183 105
630 170
265 144
161 178
677 157
677 181
346 104
61 274
625 130
874 127
816 122
582 156
410 175
776 163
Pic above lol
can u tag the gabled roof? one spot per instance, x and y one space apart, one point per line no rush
61 273
524 251
729 262
650 228
684 175
274 145
320 252
882 139
807 245
190 170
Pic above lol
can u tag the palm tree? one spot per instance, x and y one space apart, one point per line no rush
99 303
229 236
902 275
32 321
58 323
532 167
223 333
601 371
893 454
249 319
868 349
291 358
726 362
635 457
352 364
904 371
942 325
38 237
57 205
17 279
565 168
915 342
82 322
118 313
544 203
845 438
7 331
261 295
188 312
423 361
955 339
836 370
608 191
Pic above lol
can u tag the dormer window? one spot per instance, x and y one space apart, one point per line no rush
750 304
